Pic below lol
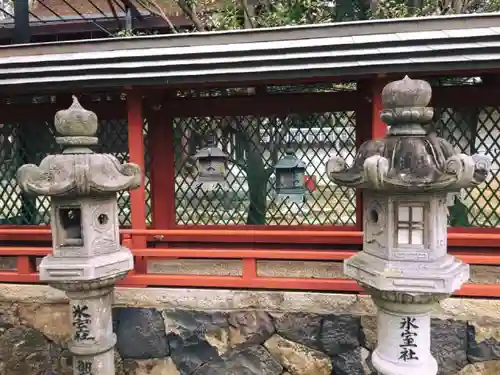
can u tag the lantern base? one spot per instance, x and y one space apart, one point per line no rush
53 269
385 367
291 199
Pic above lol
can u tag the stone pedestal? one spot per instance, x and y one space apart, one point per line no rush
87 258
92 338
404 333
404 265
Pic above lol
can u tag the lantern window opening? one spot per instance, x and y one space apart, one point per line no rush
70 220
410 224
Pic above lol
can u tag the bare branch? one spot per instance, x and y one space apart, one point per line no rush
189 11
155 8
248 14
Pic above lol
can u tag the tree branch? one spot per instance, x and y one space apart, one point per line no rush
248 17
155 8
189 11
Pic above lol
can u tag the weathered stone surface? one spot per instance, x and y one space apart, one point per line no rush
210 327
52 320
150 367
24 351
369 331
9 315
249 326
355 361
449 345
118 363
482 368
141 334
250 360
340 333
62 360
298 359
483 341
191 352
299 327
188 322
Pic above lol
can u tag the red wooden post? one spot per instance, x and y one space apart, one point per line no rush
368 124
378 127
136 155
162 167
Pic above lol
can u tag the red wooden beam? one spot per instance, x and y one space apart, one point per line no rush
472 238
262 105
483 257
465 96
18 113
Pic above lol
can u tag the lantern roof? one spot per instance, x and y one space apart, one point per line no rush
210 152
409 158
290 161
78 171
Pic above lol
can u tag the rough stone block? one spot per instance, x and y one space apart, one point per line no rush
150 367
353 362
190 353
369 331
52 320
250 327
256 358
187 323
299 327
298 359
340 333
252 360
141 334
24 351
449 345
210 327
482 368
483 341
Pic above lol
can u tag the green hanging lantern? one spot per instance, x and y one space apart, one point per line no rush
290 173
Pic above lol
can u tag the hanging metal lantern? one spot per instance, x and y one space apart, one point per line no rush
290 174
211 166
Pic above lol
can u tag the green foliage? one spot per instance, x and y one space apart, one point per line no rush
127 33
231 14
274 13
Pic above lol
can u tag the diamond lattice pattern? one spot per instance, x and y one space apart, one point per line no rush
30 143
476 130
255 144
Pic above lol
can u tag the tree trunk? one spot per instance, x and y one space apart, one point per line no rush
257 177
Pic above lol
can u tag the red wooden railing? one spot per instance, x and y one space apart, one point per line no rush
248 244
26 272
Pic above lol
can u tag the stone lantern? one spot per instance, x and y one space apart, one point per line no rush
290 174
404 265
87 257
211 166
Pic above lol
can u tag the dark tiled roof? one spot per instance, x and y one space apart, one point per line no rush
438 44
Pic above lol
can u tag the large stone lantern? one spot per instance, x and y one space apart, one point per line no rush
405 178
87 257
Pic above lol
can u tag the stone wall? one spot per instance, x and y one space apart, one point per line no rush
208 332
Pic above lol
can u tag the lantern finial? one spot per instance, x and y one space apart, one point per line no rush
76 125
